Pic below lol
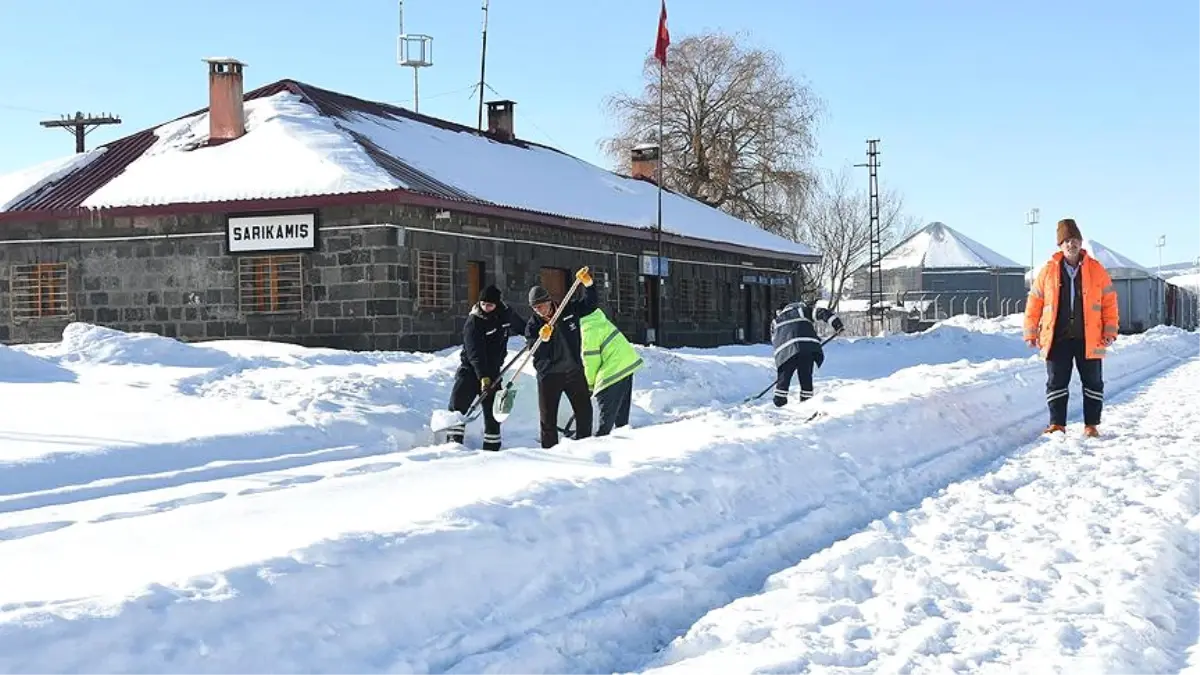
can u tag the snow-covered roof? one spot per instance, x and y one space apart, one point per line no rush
301 140
938 246
1113 262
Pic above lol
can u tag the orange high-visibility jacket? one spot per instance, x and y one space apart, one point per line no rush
1099 305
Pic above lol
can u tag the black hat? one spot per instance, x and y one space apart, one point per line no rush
491 294
538 295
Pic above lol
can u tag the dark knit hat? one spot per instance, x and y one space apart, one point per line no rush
1067 229
491 294
538 295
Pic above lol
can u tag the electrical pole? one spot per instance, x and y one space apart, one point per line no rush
875 263
80 125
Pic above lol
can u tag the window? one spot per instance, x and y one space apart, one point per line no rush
270 284
706 301
433 280
627 296
554 280
474 280
39 291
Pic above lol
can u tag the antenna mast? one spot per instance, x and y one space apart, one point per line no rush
482 63
413 51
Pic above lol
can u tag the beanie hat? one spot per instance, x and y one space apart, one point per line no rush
538 295
491 294
1067 229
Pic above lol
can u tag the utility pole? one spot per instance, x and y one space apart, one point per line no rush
80 125
875 263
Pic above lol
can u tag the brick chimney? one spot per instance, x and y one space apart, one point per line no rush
645 160
500 119
226 111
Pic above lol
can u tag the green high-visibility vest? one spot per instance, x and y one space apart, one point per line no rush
608 357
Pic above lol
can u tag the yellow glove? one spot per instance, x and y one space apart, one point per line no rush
545 332
485 382
584 275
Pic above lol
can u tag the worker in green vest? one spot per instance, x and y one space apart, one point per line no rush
609 362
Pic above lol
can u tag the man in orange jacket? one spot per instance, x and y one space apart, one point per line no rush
1071 316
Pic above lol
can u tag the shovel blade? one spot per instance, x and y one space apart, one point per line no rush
503 403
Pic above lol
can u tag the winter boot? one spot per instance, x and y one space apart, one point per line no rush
491 442
780 398
1055 427
1090 430
456 433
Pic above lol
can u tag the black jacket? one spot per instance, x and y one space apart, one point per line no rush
793 332
1068 325
562 353
485 339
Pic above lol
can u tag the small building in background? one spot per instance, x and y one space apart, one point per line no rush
938 272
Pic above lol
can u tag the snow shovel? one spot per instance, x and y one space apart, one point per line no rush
772 385
443 420
502 405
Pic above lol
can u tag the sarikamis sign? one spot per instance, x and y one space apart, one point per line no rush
275 232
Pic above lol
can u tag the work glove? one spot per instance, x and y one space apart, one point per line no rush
485 382
545 331
584 275
837 324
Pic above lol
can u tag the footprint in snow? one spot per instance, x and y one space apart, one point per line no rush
22 531
161 507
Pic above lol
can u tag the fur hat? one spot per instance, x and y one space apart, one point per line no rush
538 295
491 294
1067 229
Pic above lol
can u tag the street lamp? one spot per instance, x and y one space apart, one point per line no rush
1162 241
1031 218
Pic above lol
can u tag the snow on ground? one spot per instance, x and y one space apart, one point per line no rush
1071 556
239 506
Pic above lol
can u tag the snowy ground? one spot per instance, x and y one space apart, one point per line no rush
240 506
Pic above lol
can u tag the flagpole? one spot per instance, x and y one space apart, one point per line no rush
661 176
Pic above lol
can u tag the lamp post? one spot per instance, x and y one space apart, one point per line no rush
1162 241
1031 219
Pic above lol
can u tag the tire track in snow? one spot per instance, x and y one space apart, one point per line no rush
1074 556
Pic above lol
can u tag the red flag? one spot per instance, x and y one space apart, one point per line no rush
664 37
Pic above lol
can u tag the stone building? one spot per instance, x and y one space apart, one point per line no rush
300 214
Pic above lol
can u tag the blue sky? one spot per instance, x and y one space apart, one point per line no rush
984 109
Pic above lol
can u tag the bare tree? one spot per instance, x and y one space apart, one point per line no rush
835 220
738 130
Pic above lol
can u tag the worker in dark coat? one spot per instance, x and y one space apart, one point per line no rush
797 347
485 346
559 360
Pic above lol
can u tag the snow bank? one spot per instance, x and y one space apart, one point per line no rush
86 343
586 558
16 366
1087 542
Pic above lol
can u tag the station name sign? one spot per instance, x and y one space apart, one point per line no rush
281 232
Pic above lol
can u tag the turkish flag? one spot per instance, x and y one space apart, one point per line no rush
664 36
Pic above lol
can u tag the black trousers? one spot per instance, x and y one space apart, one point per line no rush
1063 354
614 402
802 366
551 387
462 394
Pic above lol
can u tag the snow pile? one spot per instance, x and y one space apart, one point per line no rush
938 246
16 366
608 548
87 343
1087 542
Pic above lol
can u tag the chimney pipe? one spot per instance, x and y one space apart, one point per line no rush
500 119
645 162
226 108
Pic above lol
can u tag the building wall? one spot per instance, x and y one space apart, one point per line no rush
381 277
957 291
